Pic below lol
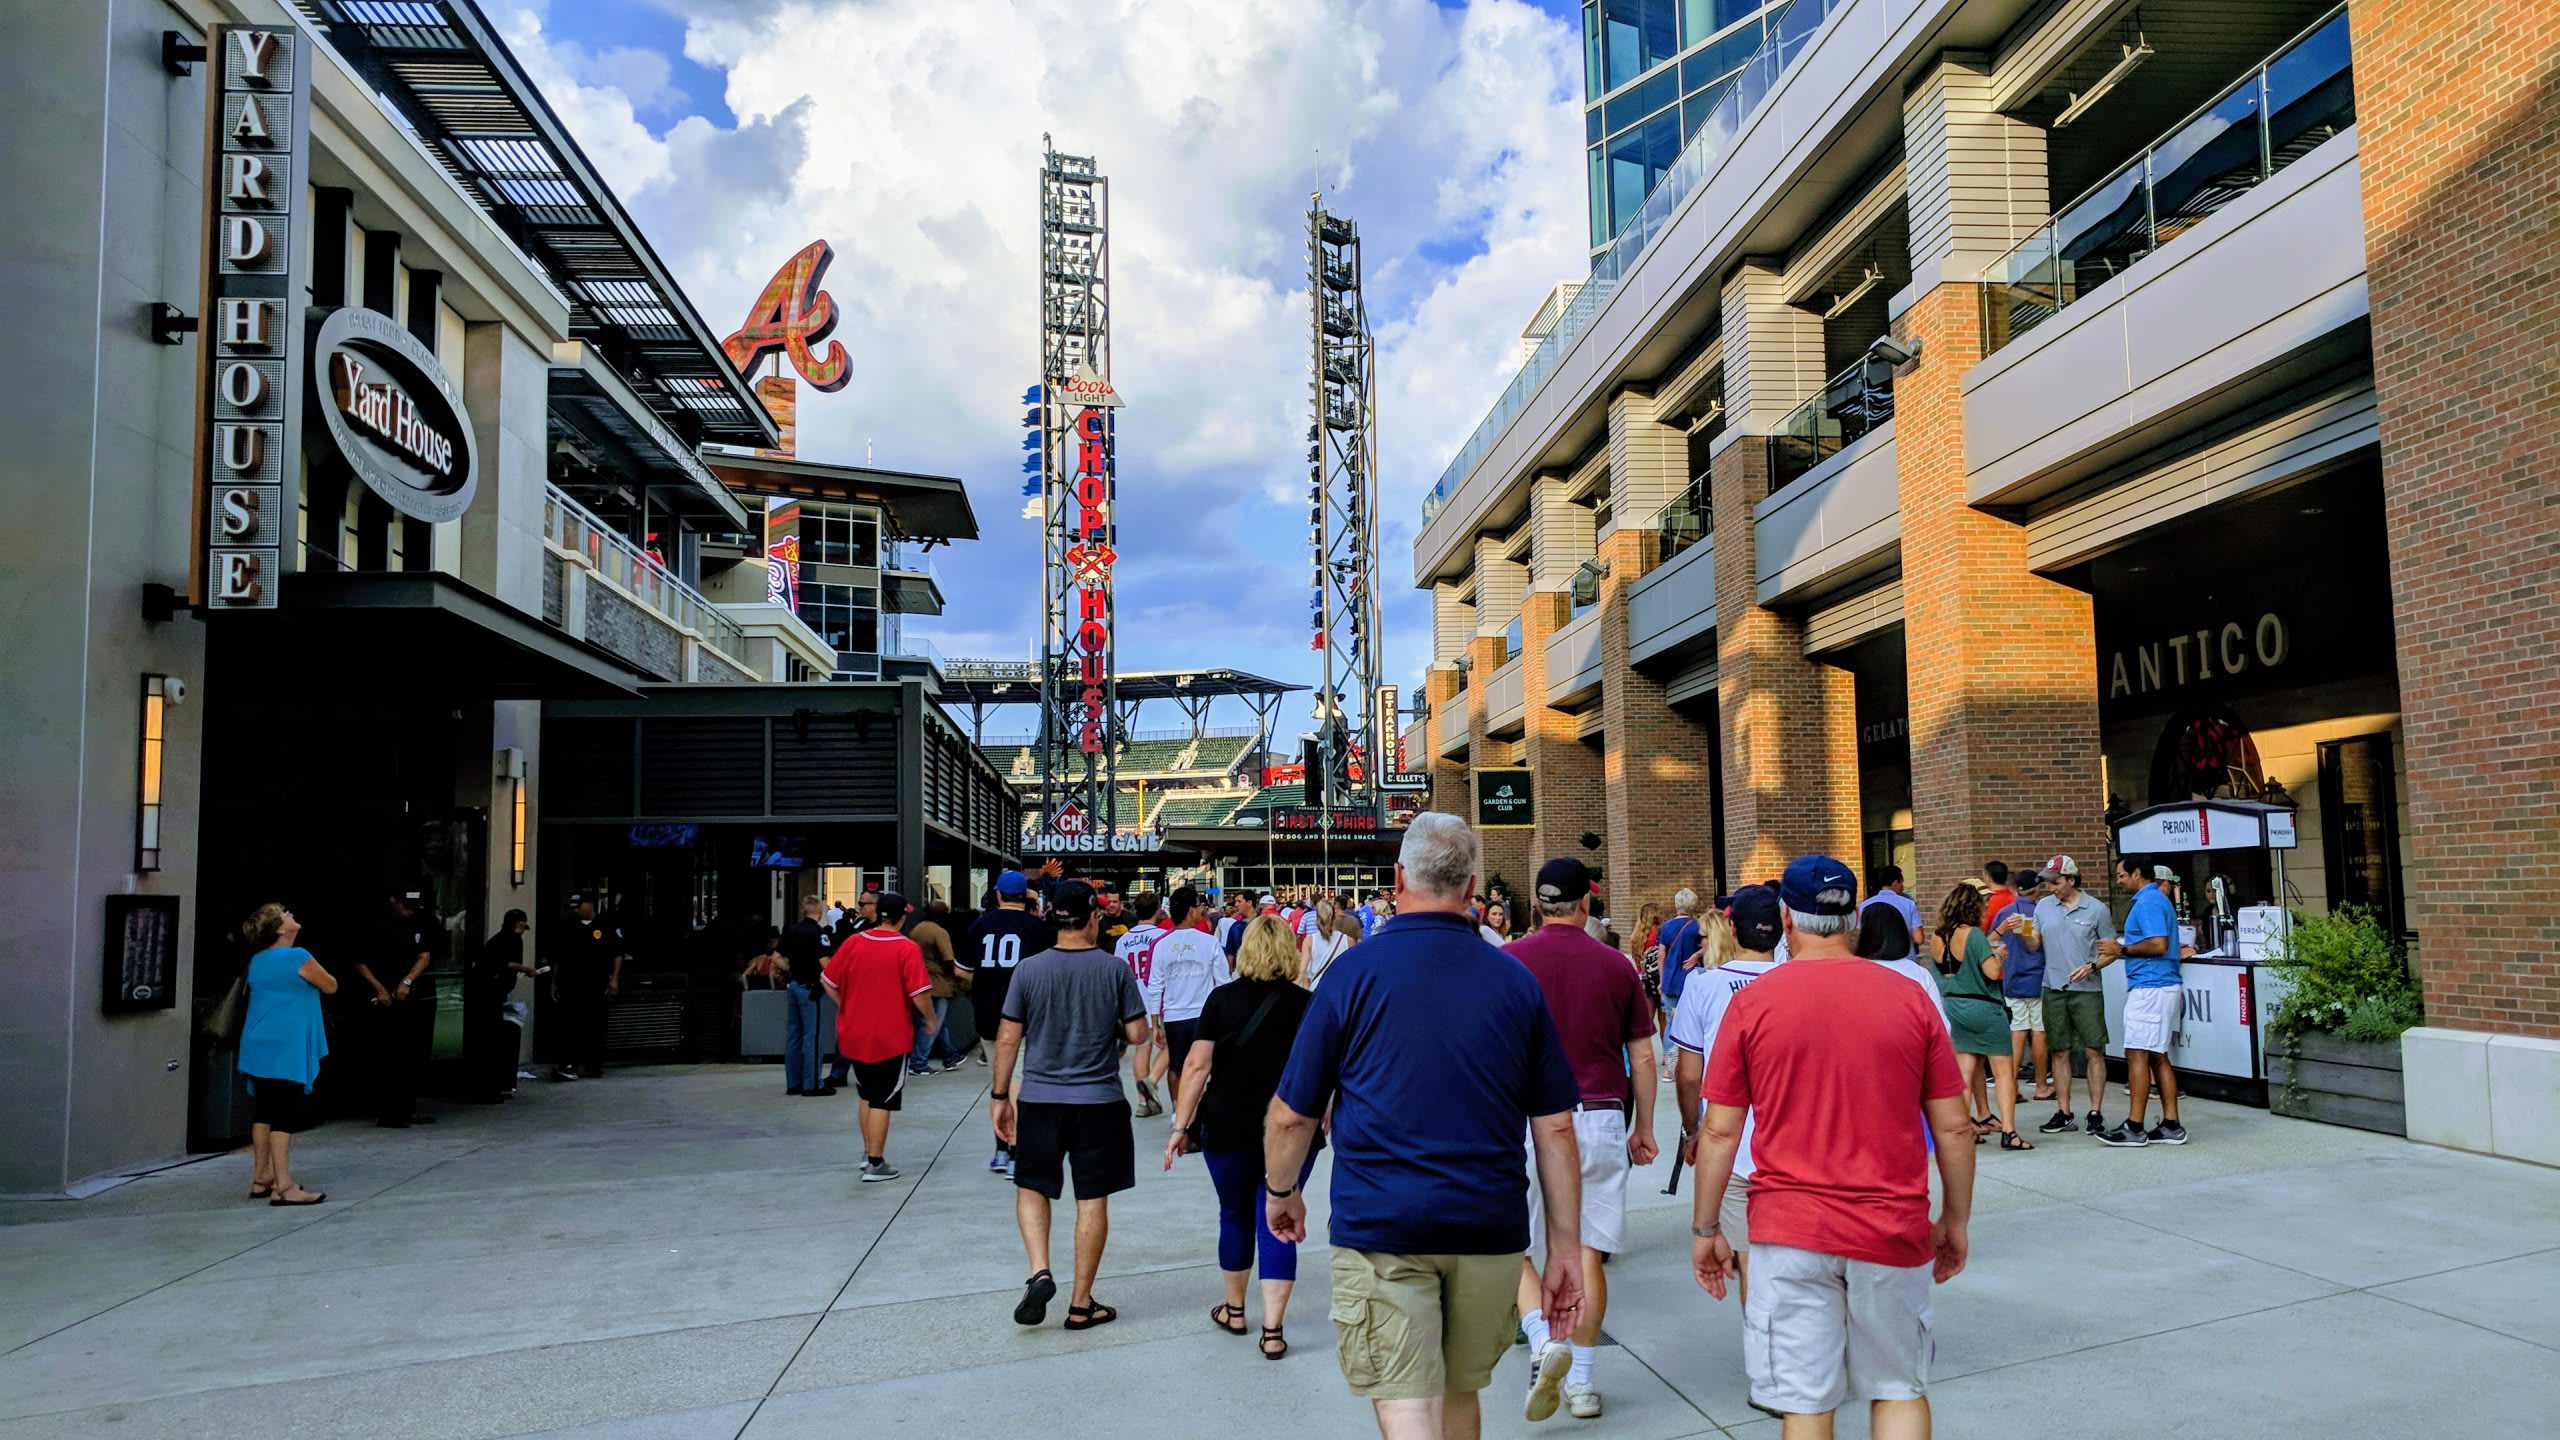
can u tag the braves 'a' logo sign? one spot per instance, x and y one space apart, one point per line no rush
792 315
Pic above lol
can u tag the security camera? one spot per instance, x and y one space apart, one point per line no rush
1892 351
174 690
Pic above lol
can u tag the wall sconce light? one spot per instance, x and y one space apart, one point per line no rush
511 769
158 693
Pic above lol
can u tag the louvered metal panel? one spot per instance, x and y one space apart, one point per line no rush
835 765
702 766
1845 623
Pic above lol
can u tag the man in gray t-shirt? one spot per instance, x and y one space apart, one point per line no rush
1067 1015
2069 924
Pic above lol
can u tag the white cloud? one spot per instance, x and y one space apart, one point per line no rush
907 132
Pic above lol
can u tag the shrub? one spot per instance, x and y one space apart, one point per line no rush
2347 977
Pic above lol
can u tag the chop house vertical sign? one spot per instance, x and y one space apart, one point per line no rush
249 335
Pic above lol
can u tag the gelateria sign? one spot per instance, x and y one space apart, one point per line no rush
393 414
249 404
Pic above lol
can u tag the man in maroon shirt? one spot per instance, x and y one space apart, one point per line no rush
1830 1056
1604 1020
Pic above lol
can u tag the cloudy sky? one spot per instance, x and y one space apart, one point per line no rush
907 134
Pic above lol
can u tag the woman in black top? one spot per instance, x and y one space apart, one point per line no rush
1228 1080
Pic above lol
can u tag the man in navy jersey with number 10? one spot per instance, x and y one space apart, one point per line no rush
999 940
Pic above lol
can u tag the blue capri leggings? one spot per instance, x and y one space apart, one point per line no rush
1244 1225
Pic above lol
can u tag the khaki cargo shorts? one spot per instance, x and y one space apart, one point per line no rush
1411 1327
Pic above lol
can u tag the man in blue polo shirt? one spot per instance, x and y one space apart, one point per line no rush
1434 1050
2149 951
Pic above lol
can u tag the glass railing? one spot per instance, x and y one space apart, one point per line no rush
1699 160
1511 640
574 527
2269 118
1686 521
1846 409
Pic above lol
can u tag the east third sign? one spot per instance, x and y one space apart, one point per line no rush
393 414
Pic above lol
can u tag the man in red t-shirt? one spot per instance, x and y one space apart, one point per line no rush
1598 1003
1831 1055
882 994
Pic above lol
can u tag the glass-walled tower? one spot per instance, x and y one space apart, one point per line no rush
1651 70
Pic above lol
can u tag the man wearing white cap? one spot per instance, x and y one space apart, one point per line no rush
2069 924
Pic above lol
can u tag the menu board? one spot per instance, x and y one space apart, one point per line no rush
141 953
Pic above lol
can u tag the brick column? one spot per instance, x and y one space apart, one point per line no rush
1660 797
2004 728
1566 771
1449 789
1790 725
2460 139
2003 662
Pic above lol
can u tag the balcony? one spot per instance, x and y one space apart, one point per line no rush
1573 662
2285 108
1451 720
616 596
1687 521
1852 404
909 585
1675 604
1504 696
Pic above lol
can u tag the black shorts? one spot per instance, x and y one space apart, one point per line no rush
1097 1135
880 1083
1179 1036
279 1105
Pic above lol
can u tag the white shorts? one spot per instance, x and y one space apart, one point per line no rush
1819 1331
2026 1014
1602 1136
1734 1215
2150 1018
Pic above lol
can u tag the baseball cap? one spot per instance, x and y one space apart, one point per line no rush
892 905
1755 918
1817 885
2062 865
1563 880
1012 882
1268 903
2163 872
1073 902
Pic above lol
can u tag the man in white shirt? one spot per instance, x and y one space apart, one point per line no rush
1146 1058
1757 933
1184 963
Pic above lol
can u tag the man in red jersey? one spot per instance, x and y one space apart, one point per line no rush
1830 1056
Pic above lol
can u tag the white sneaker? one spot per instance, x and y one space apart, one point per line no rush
1546 1378
1582 1400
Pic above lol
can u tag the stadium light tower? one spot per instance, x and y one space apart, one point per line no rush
1342 515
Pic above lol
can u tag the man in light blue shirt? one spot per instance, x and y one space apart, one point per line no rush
1888 883
2152 996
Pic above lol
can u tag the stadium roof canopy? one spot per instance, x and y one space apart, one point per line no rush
1017 682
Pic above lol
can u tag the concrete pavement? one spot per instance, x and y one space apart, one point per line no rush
687 1253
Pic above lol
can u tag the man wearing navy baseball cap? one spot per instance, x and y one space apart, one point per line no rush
1828 1055
1000 939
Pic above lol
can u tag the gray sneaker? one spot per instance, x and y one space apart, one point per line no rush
1546 1378
2168 1132
875 1171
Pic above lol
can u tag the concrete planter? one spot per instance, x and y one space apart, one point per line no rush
2318 1076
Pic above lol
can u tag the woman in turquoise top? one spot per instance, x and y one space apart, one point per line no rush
1977 1016
280 1048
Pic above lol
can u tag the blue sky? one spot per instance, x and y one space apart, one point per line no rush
906 133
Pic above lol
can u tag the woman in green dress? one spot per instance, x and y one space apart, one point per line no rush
1969 970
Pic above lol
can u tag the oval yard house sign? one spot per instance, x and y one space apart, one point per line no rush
394 415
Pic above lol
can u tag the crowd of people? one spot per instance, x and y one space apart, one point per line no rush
1487 1087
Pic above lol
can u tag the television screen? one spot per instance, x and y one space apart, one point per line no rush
663 837
777 852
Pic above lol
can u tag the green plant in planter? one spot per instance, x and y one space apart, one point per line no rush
2347 978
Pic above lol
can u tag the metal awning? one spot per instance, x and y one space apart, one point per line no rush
441 629
930 508
598 417
442 67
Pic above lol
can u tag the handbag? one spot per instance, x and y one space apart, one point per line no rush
222 1022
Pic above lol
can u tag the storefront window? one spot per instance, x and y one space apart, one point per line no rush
839 537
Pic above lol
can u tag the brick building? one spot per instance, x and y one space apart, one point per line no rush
2005 412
